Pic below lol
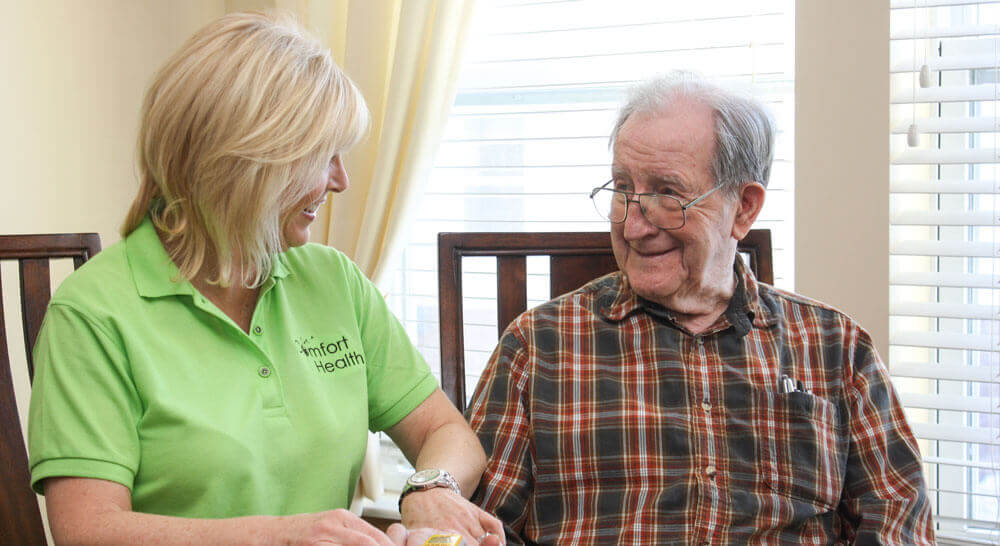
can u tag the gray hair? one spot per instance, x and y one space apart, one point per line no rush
744 129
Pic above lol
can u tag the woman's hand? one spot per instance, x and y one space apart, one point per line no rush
332 527
442 508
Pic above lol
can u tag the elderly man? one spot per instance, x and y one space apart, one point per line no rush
679 400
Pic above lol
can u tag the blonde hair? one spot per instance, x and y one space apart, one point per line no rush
235 130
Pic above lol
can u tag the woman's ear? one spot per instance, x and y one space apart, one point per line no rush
749 202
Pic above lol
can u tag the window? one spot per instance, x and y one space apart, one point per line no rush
527 138
944 335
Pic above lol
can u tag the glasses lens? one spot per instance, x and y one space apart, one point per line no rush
610 205
663 211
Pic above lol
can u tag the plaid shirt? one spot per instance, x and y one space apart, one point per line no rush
607 423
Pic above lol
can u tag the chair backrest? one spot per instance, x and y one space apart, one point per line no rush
575 258
20 519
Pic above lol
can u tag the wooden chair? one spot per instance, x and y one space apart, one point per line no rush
574 259
20 518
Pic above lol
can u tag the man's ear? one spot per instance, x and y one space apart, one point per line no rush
749 202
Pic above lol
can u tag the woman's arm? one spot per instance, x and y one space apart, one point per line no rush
92 511
434 435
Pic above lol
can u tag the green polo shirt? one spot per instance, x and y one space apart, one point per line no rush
142 381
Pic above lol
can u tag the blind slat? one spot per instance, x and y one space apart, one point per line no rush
950 62
943 310
958 280
944 186
956 93
942 340
938 218
957 31
949 125
915 156
956 462
952 433
909 4
942 248
948 402
936 370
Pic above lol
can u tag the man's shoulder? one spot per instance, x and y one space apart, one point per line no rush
794 306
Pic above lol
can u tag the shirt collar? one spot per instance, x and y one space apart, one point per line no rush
156 275
618 301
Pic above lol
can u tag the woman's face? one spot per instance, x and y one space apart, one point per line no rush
334 178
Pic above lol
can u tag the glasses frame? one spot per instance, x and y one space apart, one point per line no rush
633 197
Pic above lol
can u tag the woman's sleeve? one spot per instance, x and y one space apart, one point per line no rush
84 407
398 377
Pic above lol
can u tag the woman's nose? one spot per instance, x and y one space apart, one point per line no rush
337 180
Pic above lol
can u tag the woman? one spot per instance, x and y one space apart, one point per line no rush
211 378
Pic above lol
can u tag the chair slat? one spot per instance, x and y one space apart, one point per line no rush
20 518
35 295
450 313
567 273
512 290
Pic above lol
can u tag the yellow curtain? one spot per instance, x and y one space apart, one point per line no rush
404 55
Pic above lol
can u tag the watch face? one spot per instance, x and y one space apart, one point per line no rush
424 476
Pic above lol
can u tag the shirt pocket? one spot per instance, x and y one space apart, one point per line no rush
802 456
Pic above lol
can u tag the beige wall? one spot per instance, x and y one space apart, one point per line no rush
74 76
841 158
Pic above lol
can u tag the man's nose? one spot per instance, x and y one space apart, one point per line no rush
337 180
636 224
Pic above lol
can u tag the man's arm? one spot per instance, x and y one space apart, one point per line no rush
885 497
499 415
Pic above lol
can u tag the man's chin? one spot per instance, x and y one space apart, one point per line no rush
651 287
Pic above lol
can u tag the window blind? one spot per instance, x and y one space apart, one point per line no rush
527 137
944 349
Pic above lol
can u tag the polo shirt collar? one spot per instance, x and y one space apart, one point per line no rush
744 310
156 275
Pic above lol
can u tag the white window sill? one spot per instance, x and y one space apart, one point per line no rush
386 507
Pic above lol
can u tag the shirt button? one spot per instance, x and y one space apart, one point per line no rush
258 330
710 471
264 371
706 406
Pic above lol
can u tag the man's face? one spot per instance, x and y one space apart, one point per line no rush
671 151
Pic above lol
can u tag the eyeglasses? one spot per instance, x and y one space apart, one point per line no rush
661 210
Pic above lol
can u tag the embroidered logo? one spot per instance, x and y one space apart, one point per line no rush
329 356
